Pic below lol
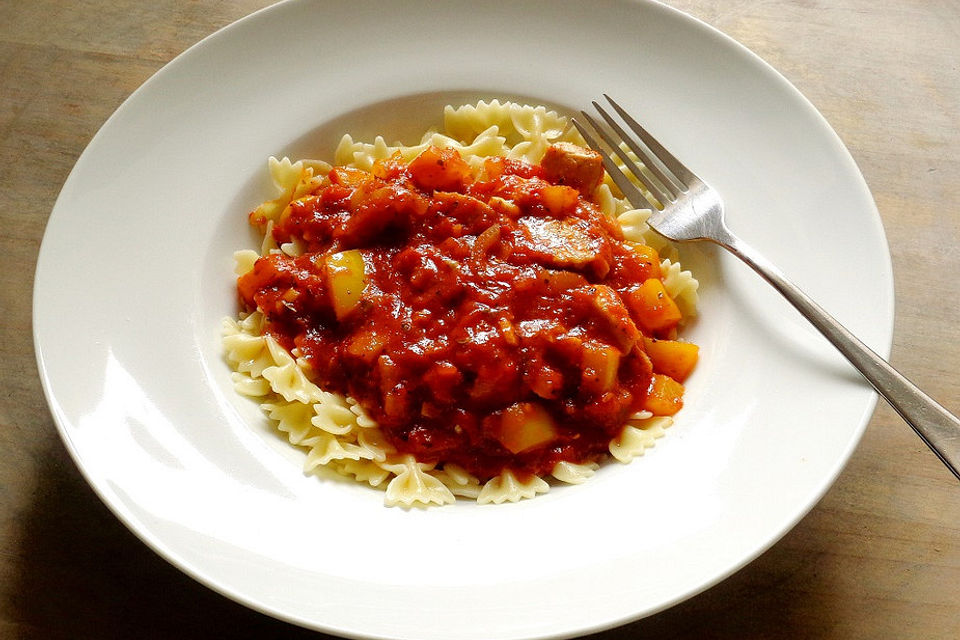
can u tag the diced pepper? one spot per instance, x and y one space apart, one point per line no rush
496 166
525 425
442 380
388 372
397 402
348 176
664 397
366 345
389 168
672 358
652 306
269 272
648 257
543 379
439 169
557 281
345 279
493 167
599 366
559 199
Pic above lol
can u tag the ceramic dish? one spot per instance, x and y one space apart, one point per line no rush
135 274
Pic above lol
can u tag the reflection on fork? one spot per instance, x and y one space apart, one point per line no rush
687 208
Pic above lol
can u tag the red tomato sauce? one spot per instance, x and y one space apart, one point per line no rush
492 311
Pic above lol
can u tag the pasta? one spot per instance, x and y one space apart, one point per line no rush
337 431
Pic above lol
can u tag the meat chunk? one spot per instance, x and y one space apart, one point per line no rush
558 243
571 243
607 305
574 166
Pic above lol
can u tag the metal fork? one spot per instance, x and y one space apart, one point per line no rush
686 208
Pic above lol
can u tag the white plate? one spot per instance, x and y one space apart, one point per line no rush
135 273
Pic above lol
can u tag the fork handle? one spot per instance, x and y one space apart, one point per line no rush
933 423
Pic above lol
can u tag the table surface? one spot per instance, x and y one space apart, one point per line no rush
878 557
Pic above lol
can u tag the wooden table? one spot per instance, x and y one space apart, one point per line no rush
879 557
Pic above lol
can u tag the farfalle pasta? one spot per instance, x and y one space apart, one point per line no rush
470 316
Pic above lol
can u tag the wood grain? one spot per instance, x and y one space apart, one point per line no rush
878 557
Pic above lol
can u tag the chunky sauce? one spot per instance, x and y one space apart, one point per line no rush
493 319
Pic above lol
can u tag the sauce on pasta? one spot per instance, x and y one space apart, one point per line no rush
493 318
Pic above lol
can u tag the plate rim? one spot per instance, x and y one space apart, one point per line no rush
137 527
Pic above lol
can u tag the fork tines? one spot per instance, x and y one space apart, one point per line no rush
662 175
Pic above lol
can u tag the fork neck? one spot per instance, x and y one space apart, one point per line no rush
721 235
